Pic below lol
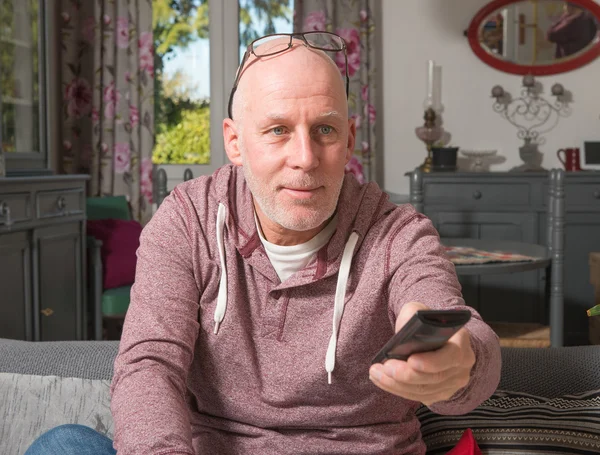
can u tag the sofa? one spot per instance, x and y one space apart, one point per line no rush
548 400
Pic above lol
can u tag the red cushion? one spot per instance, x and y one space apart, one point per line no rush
466 445
120 241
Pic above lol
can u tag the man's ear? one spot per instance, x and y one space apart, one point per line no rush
351 139
231 139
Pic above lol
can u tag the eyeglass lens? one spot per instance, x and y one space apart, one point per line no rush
324 41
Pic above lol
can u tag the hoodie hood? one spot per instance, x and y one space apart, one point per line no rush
359 207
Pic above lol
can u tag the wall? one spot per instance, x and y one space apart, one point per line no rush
414 31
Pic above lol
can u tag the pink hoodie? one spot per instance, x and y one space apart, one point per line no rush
260 384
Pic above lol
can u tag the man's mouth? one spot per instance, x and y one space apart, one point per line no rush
300 192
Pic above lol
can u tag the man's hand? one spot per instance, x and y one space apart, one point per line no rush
427 377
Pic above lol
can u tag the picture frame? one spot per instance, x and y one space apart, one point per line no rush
590 156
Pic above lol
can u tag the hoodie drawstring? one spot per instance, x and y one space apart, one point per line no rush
338 307
222 296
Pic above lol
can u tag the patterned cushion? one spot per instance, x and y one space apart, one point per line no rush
120 241
31 405
518 423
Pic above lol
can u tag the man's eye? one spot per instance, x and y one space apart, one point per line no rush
277 131
325 129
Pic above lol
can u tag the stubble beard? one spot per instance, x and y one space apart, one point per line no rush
311 215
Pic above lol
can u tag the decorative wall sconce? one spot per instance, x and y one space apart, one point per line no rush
533 115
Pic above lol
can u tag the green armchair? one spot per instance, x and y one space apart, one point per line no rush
107 305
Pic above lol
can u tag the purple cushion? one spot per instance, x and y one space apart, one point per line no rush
120 241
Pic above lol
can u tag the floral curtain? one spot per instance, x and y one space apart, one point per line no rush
353 21
107 97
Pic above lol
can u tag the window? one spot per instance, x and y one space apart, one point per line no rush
199 45
22 79
182 83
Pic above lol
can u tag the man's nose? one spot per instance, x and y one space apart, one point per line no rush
304 153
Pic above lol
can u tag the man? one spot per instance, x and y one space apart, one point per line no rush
263 291
573 31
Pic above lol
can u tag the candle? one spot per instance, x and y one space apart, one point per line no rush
437 88
430 67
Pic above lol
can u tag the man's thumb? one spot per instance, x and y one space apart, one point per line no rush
407 311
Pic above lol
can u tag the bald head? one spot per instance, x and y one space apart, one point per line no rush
298 65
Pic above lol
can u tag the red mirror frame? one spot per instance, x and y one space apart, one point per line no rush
536 70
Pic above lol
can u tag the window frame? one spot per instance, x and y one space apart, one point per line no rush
224 57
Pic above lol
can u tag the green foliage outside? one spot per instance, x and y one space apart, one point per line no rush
182 123
265 11
187 142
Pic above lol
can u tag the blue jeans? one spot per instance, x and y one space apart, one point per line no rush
72 440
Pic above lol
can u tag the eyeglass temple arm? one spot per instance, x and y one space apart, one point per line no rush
235 82
347 77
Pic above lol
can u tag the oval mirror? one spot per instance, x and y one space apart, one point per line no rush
538 37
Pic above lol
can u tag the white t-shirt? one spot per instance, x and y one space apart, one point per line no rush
289 259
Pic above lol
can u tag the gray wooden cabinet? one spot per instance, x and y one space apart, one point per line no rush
42 256
513 206
15 273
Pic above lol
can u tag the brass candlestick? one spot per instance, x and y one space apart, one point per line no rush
429 133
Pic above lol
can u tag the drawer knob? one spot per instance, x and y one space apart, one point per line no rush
61 203
47 312
5 212
477 195
597 194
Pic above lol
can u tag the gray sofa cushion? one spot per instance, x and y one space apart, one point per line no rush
75 359
551 372
30 405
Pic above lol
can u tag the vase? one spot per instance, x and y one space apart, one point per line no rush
531 157
444 158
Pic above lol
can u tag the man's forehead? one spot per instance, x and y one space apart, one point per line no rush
289 115
279 115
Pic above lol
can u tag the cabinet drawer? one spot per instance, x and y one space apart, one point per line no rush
56 203
477 195
14 207
583 195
